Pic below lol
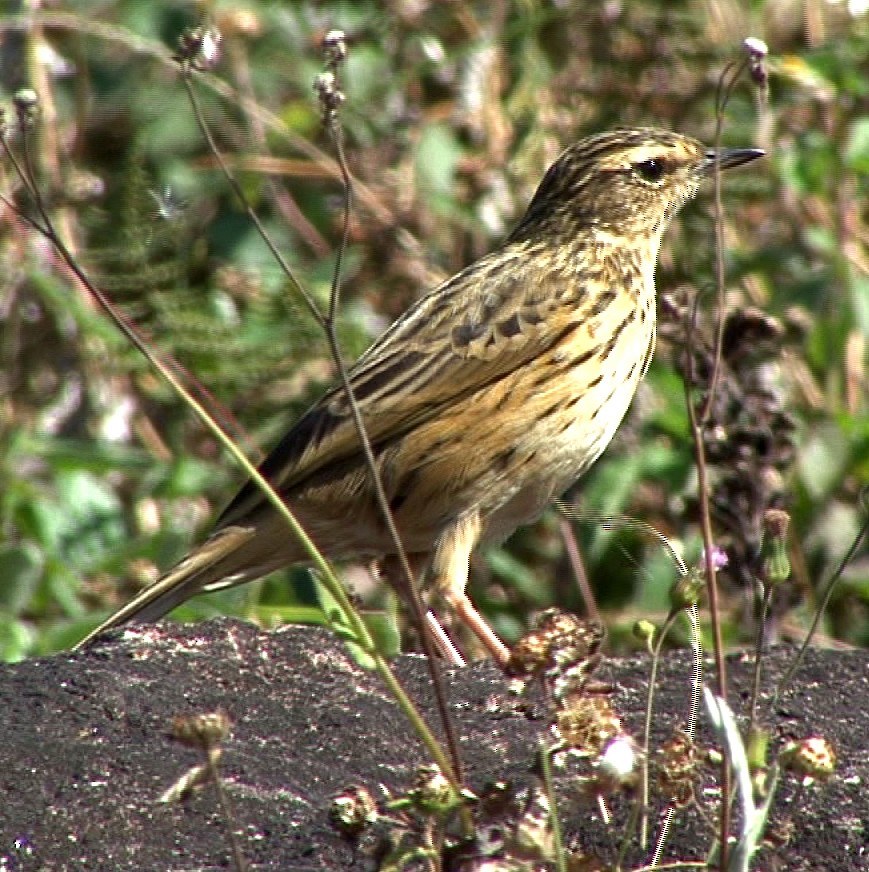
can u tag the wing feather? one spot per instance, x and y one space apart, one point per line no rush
471 331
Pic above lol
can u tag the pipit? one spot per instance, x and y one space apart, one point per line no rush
486 399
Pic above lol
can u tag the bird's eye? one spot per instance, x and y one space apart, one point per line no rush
651 170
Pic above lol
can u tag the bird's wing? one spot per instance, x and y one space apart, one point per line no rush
474 329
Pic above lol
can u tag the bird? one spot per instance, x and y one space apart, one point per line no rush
485 400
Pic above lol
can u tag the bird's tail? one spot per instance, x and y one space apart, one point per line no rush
215 564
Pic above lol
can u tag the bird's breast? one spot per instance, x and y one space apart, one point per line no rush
506 450
572 401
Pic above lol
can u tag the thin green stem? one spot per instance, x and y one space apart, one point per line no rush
238 858
758 653
825 599
725 87
328 324
337 590
549 787
412 593
186 78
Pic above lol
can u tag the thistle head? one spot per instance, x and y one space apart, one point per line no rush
627 182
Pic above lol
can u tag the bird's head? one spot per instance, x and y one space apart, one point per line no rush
627 182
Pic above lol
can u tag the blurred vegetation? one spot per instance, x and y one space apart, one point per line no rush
453 113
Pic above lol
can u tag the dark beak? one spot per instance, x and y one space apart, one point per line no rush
728 158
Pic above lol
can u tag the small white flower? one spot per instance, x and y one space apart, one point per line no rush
757 48
209 50
619 759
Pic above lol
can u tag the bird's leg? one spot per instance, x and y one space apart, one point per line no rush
391 571
442 641
449 573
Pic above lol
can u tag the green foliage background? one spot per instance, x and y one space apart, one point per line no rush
453 113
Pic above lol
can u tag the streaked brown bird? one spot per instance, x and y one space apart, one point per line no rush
487 398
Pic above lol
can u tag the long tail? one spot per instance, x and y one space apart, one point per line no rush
218 558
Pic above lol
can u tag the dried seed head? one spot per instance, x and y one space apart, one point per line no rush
200 47
676 768
562 647
203 731
353 810
335 48
26 103
587 724
329 95
812 758
776 523
432 792
776 565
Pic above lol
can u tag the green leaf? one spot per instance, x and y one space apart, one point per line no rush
188 477
21 569
91 524
821 459
339 623
437 155
860 299
16 639
856 151
518 575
